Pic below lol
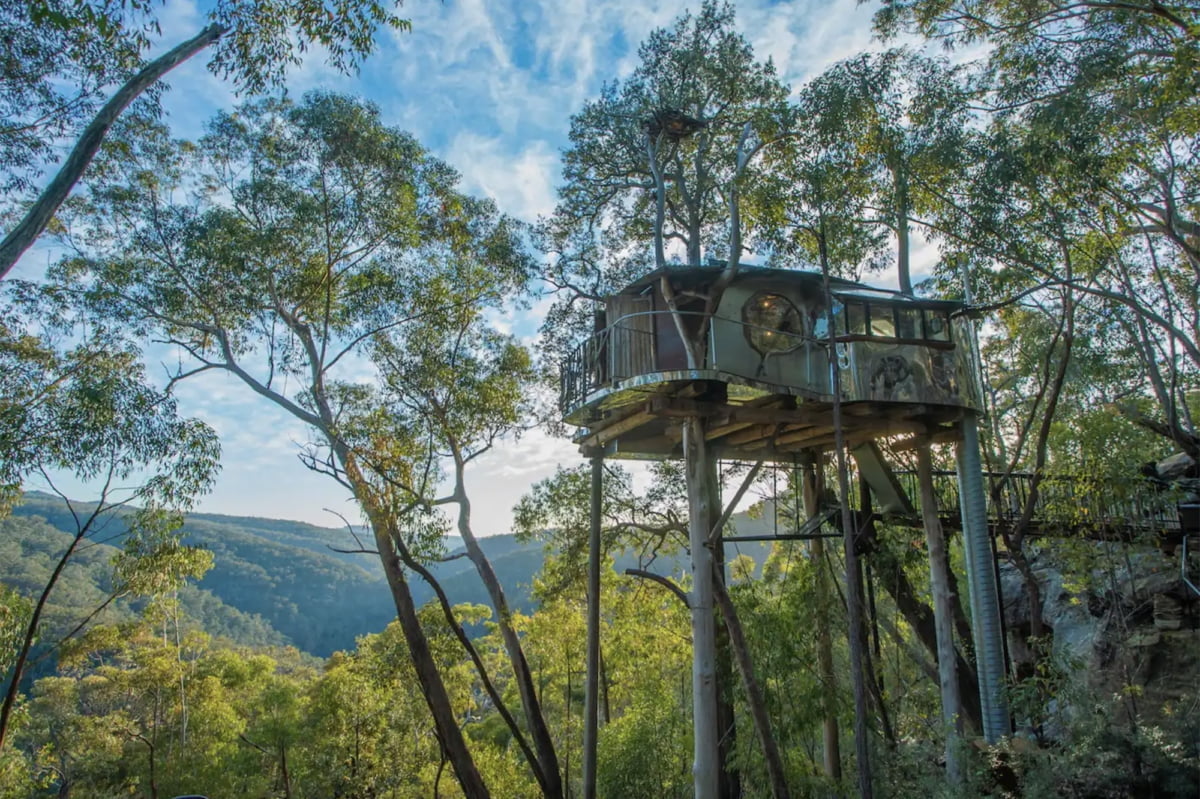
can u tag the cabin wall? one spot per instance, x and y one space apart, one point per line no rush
792 359
770 335
671 353
631 344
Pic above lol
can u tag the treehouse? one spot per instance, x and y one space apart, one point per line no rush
762 371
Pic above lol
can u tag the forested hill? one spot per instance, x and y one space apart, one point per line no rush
274 580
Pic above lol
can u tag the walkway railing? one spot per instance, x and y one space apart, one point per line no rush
1101 507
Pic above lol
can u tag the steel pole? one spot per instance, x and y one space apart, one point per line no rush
986 622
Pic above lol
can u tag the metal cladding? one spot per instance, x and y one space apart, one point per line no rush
769 342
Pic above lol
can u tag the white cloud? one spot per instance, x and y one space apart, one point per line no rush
521 183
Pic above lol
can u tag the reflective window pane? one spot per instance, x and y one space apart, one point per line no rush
937 326
856 319
882 323
773 323
909 321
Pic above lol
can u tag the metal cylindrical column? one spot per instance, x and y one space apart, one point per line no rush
986 622
592 692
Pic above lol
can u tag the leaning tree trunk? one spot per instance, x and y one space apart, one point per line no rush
52 197
445 722
536 721
18 669
754 695
919 617
432 687
943 622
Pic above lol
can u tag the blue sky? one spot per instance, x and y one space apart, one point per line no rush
489 86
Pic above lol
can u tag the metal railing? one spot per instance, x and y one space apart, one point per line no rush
1094 506
619 352
609 355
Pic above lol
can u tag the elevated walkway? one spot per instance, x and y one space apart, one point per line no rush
1095 508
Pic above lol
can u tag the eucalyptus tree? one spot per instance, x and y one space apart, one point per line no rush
59 59
1072 213
818 192
466 385
663 158
661 161
80 404
907 115
288 246
1104 95
648 523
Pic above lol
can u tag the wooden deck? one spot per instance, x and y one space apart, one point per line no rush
753 427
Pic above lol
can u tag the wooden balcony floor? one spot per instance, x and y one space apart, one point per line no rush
748 425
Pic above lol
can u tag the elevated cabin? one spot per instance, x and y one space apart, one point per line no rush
765 381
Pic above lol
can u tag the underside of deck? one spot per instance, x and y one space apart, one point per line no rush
747 424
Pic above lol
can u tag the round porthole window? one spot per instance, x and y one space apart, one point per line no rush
772 323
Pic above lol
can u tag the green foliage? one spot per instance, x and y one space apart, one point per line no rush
59 59
28 549
644 753
636 195
15 611
272 581
87 409
56 60
1096 757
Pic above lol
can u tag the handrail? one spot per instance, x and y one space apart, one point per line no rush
1067 501
579 370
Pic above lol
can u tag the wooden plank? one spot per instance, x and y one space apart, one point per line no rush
854 436
754 433
801 436
940 435
635 419
725 429
684 408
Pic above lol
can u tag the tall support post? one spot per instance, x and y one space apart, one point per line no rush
854 592
705 736
987 626
592 691
943 614
813 486
730 779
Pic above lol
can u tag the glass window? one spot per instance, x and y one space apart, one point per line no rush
937 325
856 319
773 323
882 323
908 322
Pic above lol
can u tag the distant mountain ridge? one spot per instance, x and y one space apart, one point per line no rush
290 575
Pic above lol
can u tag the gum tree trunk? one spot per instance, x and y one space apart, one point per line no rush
943 621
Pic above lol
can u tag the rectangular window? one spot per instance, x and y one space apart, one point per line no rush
882 323
908 322
856 319
937 325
